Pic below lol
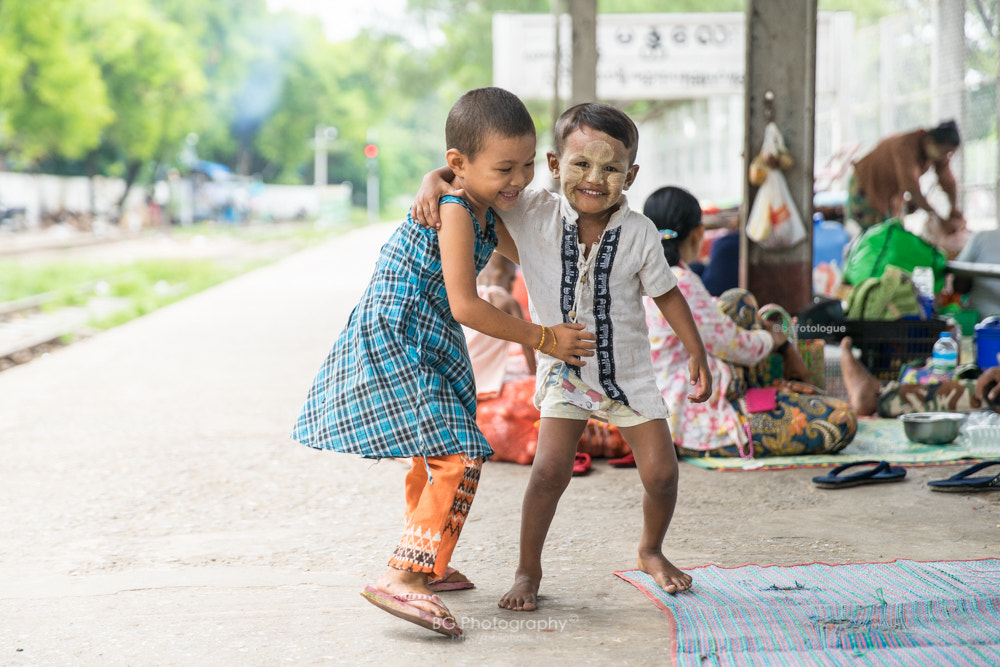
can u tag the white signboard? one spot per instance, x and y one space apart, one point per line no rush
640 56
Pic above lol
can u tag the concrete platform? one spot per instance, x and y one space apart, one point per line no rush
153 510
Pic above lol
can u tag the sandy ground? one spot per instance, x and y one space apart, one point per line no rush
154 511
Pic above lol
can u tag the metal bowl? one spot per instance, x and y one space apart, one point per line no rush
932 428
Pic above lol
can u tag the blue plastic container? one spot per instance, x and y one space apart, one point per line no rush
829 239
988 343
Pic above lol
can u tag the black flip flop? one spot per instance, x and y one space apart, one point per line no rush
963 483
881 473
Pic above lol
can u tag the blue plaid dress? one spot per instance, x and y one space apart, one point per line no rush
398 382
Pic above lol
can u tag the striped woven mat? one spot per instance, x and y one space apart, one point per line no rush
898 613
878 439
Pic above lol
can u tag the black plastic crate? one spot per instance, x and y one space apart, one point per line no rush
887 346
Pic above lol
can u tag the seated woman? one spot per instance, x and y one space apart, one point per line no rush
796 423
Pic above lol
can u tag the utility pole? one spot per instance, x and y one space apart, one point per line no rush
324 136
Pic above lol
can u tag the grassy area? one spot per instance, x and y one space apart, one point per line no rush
143 285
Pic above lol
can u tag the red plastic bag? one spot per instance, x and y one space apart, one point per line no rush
510 423
510 420
602 440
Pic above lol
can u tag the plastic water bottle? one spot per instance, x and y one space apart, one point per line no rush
944 357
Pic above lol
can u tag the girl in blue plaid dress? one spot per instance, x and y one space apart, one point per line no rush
399 381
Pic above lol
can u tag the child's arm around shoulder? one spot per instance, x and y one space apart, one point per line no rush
675 309
456 239
434 185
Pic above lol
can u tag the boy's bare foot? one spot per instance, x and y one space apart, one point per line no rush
665 573
862 387
402 582
523 595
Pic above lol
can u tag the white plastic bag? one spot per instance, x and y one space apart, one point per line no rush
774 220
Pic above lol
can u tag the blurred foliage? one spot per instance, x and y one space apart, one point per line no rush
116 87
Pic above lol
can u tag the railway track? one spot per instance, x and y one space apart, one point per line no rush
30 327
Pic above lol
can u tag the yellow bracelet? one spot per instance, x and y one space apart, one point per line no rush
542 341
555 343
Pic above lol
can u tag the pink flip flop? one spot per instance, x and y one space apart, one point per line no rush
398 606
442 584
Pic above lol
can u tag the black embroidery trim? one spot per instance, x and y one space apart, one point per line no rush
570 274
602 315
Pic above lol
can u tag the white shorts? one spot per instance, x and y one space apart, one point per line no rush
565 396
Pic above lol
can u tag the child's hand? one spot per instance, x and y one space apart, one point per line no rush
571 344
702 378
425 204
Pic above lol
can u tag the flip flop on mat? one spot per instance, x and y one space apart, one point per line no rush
881 473
581 464
962 482
442 584
398 606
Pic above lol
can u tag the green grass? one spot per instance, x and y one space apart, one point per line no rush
145 285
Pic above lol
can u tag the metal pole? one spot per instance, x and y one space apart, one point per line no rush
373 194
319 166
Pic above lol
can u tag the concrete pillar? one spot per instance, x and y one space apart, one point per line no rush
781 59
948 71
583 14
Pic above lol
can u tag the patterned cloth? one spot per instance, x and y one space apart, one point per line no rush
895 399
399 382
800 423
435 513
600 287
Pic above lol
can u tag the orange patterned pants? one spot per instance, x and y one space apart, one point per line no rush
435 512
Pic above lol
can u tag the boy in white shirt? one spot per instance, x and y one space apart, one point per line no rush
588 258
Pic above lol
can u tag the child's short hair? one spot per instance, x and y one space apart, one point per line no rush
602 117
483 112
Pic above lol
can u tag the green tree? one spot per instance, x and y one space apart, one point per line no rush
52 98
153 85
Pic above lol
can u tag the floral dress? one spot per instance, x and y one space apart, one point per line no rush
716 422
722 426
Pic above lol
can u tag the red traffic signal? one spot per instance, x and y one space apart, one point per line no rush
371 151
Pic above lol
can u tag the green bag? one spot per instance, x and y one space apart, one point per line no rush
891 296
889 243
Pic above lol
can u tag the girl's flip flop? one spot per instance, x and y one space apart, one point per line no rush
881 473
398 606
